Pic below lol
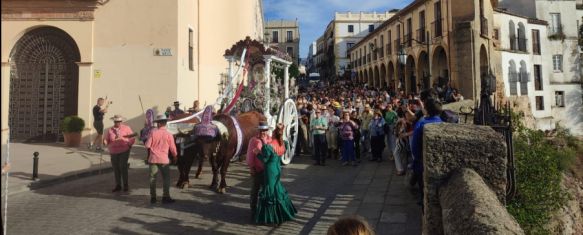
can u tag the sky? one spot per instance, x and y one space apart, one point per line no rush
314 15
523 7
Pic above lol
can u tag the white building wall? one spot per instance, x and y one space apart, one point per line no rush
502 22
569 80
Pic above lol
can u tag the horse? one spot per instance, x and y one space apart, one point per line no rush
187 156
226 144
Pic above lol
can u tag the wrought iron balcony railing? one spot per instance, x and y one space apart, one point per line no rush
437 27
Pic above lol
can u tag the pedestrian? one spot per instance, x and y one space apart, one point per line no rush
274 206
366 117
390 122
319 126
354 225
432 110
99 111
358 138
119 141
256 167
332 134
177 111
160 144
347 128
377 136
196 107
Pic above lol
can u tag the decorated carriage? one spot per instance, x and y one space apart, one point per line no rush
257 79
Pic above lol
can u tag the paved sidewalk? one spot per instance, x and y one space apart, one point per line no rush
58 163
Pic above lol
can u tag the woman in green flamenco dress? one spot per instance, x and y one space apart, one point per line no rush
274 206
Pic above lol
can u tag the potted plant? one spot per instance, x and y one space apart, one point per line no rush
72 127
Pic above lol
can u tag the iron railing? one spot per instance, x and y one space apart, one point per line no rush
381 52
408 42
518 44
389 49
398 45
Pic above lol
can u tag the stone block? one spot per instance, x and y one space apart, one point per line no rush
470 207
448 147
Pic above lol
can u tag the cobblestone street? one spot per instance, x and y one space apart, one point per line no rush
321 195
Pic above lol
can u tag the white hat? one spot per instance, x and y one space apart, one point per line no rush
117 118
263 126
161 117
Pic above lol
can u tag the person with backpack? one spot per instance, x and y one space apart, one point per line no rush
347 130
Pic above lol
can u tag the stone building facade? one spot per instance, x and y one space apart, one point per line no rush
285 34
429 42
342 33
59 56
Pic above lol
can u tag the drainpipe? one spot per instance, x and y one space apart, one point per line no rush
198 49
449 44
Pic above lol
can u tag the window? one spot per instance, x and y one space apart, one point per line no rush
555 23
351 28
535 42
558 63
370 28
290 51
190 49
290 36
496 35
538 81
540 104
275 37
560 98
437 26
349 45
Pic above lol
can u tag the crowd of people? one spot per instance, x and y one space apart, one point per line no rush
347 121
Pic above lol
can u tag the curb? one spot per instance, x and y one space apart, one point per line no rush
35 185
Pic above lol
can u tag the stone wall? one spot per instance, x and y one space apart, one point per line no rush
449 147
469 206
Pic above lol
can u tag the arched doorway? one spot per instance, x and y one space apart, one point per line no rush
43 84
410 75
484 67
370 77
383 77
439 70
392 79
376 77
423 70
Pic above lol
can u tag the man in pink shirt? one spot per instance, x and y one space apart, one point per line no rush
119 140
159 144
255 165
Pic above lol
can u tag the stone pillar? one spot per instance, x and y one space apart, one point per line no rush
448 147
286 81
5 105
267 87
86 99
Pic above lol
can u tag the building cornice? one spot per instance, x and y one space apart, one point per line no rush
50 10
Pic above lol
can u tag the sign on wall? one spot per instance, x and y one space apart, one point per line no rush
162 52
97 74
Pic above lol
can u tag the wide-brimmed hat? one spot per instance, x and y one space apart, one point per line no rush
336 104
367 106
117 118
177 103
263 126
161 118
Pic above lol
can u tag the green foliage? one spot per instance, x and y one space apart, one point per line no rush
540 162
293 70
72 124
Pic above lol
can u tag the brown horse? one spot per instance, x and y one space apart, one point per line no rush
221 149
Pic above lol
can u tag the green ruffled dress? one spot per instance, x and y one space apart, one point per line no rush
274 205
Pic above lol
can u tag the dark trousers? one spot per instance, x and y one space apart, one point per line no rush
357 148
256 185
119 162
320 148
377 146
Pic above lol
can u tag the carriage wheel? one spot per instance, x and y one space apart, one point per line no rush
288 115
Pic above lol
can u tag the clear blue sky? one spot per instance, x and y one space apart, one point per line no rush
314 15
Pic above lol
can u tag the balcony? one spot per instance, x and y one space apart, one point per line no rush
408 42
437 27
421 34
483 27
536 48
555 32
398 45
518 44
368 57
381 52
389 49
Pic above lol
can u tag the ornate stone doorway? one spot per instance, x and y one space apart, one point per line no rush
43 84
